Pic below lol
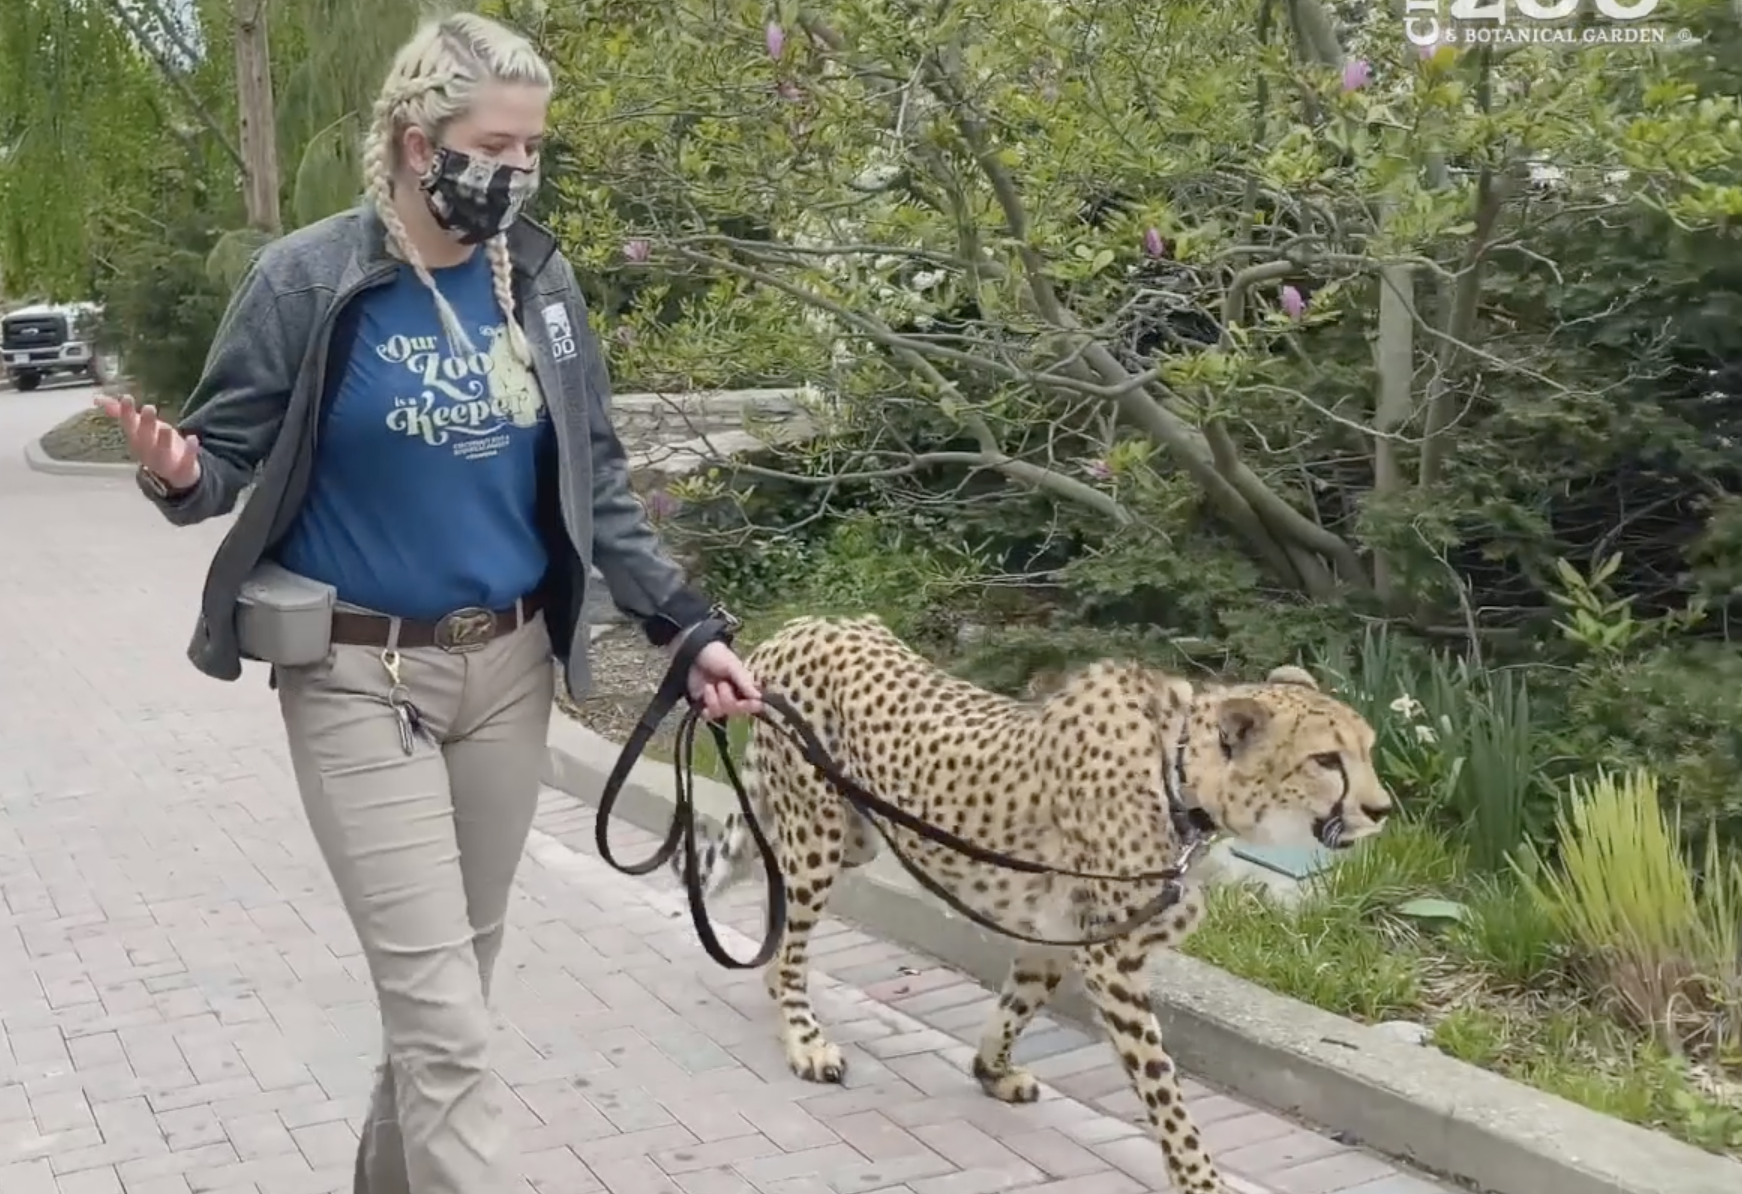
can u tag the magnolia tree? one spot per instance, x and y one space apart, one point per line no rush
1135 260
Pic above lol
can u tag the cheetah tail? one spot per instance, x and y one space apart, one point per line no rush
723 853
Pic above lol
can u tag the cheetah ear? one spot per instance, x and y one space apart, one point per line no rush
1288 673
1241 721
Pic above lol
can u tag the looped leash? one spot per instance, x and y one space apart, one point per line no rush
780 714
719 627
877 811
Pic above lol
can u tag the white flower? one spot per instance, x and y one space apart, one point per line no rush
1425 734
1407 707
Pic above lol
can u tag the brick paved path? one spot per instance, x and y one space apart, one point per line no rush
183 1007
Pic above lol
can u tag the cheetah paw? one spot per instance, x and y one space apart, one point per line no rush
1012 1084
817 1061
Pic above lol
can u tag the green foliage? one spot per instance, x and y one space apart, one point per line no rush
1456 741
1678 711
162 309
126 161
86 120
1316 954
1660 942
1510 935
328 61
958 238
860 564
1509 984
1582 1057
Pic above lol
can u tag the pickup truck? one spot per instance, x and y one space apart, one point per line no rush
38 341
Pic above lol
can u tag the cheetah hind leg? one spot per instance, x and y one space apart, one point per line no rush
1114 975
1034 976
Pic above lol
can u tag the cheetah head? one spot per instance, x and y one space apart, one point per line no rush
1282 763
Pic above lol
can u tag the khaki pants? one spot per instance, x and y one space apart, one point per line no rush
423 849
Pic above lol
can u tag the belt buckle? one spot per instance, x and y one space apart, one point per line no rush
465 630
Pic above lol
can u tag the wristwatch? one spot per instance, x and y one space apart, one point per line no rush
154 485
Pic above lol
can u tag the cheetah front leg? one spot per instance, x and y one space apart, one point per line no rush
1114 974
809 848
1034 976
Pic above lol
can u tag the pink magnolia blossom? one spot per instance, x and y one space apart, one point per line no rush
1293 305
789 91
637 251
1357 73
1098 469
625 334
776 39
661 505
1153 245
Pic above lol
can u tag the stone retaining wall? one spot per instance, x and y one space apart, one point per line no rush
668 436
647 421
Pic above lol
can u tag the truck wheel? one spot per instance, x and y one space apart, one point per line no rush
28 381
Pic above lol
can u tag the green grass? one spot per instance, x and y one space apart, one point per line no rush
1496 987
706 759
1586 1058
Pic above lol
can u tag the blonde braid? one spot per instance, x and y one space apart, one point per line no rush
524 412
378 155
502 278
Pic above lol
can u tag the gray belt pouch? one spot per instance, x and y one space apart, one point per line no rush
284 618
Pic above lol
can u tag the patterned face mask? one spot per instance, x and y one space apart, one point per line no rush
475 198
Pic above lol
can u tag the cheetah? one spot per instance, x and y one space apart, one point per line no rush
1077 779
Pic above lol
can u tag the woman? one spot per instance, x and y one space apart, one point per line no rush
450 470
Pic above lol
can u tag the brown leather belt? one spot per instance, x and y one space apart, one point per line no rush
463 630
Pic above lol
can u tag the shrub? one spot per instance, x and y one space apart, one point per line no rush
162 310
1509 936
1676 711
1662 942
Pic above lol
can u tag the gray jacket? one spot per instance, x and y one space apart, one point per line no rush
269 374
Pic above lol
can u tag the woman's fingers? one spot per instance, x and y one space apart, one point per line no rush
145 435
122 411
127 415
153 442
166 447
711 703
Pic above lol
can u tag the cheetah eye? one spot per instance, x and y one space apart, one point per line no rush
1330 760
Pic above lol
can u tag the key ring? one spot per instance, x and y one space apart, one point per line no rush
390 661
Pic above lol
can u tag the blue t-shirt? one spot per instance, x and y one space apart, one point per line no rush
424 493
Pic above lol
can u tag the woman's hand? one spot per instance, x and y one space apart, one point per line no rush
724 686
173 457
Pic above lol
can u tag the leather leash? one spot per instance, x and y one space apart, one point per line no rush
779 713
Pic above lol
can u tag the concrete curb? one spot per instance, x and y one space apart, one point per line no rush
41 462
1405 1100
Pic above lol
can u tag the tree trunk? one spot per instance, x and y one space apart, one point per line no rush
1394 354
259 126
